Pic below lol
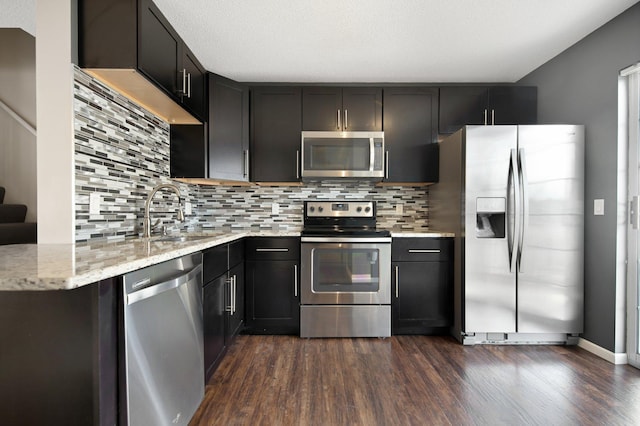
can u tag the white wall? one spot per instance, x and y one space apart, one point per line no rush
18 144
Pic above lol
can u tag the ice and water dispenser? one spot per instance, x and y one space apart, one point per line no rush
490 217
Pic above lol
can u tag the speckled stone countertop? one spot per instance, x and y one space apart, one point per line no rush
422 234
68 266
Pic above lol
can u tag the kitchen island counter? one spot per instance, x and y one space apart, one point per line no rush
69 266
26 267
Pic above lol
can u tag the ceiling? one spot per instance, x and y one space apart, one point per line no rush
372 40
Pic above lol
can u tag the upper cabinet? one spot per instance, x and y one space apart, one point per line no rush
410 133
218 150
462 105
343 109
276 125
228 129
131 46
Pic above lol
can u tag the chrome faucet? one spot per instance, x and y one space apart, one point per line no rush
147 219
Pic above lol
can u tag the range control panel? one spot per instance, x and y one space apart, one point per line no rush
364 209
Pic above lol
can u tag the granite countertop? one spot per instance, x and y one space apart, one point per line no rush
68 266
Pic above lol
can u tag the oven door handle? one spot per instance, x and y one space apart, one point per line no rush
365 240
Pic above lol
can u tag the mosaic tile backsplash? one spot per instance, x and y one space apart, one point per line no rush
122 152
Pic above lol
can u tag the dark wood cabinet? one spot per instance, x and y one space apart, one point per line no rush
59 359
463 105
272 287
276 123
188 151
158 47
422 288
223 300
410 131
344 109
135 35
213 316
194 78
228 143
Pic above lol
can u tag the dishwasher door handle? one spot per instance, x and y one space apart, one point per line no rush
162 287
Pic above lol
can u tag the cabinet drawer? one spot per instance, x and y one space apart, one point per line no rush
214 262
272 248
236 253
421 249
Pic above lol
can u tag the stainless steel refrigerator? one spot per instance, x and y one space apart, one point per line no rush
514 196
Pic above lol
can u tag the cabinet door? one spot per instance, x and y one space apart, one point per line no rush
410 120
228 129
235 302
194 97
273 305
513 104
422 297
158 48
321 108
213 323
462 105
362 109
276 123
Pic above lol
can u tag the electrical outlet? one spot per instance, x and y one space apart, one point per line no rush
187 208
598 207
399 209
94 203
275 208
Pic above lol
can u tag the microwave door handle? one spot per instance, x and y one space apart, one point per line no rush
372 154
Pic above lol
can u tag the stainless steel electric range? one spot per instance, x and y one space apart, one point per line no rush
345 271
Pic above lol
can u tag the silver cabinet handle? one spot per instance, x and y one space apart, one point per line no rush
245 173
229 308
272 249
386 165
493 117
485 117
297 164
346 119
189 85
184 81
633 211
235 293
295 280
424 250
397 281
338 119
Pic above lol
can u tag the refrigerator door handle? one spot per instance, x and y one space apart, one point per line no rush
522 166
515 182
633 212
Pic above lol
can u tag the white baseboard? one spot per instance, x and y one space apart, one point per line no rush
614 358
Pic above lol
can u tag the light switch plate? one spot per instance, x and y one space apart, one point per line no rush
598 207
94 203
187 208
399 209
275 208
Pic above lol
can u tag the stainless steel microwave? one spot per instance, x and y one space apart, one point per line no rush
342 155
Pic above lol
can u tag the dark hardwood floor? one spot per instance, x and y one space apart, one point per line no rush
415 380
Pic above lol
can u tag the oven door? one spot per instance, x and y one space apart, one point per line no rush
344 271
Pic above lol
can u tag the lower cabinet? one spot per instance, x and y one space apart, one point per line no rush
59 356
223 300
422 290
272 285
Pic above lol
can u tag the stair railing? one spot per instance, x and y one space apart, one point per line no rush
18 118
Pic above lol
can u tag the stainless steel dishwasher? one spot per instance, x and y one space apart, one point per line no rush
163 344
